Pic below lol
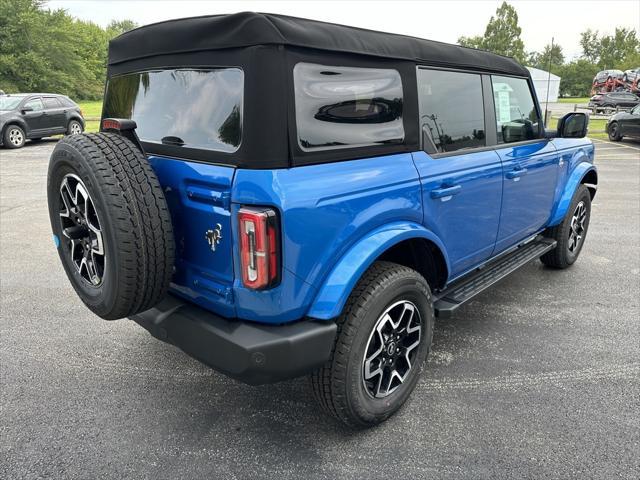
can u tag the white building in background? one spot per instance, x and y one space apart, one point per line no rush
540 80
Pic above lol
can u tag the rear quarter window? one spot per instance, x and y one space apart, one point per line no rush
51 102
67 102
341 107
201 108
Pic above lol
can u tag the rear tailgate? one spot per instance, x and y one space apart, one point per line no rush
198 196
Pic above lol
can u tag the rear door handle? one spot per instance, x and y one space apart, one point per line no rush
446 191
517 173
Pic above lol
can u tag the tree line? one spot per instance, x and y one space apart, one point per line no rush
44 50
51 51
620 51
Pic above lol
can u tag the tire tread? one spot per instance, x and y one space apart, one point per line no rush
140 216
328 382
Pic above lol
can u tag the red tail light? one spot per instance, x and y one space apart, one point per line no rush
259 247
110 124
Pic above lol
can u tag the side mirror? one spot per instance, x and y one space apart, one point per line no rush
27 109
573 125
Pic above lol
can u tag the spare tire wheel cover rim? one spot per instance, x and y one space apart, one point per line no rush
81 229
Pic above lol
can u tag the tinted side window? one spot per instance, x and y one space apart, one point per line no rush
200 108
338 107
451 109
50 102
516 115
66 102
36 104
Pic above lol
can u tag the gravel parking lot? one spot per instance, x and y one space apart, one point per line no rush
537 378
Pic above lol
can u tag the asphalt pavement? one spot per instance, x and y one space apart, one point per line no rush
538 377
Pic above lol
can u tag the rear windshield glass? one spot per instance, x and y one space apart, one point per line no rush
194 108
338 107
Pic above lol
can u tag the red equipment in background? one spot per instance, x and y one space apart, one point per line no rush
616 81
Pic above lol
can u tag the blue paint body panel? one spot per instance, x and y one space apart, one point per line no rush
338 218
335 290
196 193
530 175
576 158
467 220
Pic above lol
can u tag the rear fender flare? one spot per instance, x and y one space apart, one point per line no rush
575 179
337 286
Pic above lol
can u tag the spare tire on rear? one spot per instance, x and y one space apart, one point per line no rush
111 224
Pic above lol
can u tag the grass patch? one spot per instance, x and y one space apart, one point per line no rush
574 100
91 110
91 126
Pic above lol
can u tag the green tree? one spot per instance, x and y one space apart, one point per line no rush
49 50
476 41
610 51
589 43
550 55
501 36
118 27
576 78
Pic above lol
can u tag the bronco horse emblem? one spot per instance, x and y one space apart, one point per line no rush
214 236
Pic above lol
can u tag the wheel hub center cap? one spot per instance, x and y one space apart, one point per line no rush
391 348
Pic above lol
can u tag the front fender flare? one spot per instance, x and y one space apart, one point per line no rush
337 286
15 121
575 179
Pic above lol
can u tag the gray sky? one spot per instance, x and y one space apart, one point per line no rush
436 20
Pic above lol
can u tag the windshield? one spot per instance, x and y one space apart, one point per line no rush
192 108
9 103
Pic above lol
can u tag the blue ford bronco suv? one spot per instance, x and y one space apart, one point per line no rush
278 197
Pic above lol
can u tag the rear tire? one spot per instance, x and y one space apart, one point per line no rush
347 386
110 223
614 132
574 225
74 128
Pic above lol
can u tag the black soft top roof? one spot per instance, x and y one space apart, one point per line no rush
220 32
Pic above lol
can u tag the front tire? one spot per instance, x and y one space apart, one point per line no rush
614 132
571 233
14 137
384 336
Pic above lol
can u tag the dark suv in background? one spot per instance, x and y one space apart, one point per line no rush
613 100
35 115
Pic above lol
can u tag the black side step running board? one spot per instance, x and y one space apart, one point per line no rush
474 283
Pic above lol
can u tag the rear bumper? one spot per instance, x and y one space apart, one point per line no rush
249 352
